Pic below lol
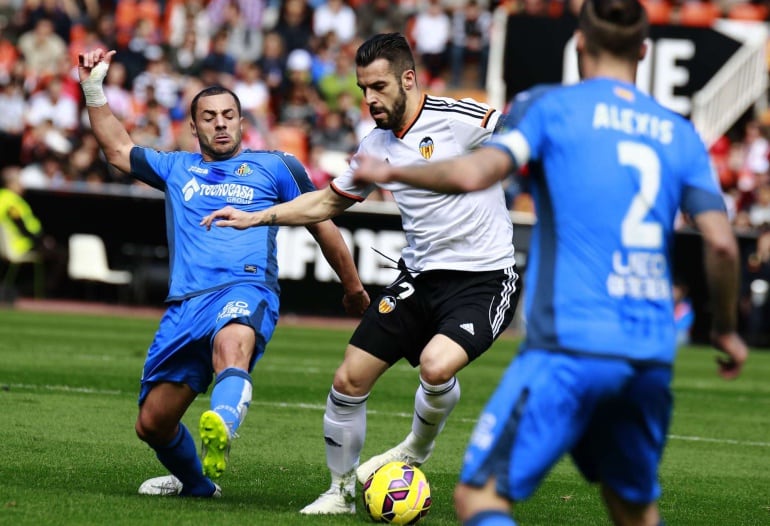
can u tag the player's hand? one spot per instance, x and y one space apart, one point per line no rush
88 61
735 354
228 216
371 170
355 303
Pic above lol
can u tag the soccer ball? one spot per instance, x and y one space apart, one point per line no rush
397 493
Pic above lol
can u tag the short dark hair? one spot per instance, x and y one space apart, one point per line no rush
393 47
618 27
210 91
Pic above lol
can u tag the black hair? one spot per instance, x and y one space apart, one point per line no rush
618 27
210 91
393 47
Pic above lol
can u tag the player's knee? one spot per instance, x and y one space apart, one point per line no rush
345 382
152 430
436 372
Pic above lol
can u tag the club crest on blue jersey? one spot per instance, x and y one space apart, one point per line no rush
243 170
426 147
387 305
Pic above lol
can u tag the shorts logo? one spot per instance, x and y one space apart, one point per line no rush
426 147
387 305
234 309
244 170
468 327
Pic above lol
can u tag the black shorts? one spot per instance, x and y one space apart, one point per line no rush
471 308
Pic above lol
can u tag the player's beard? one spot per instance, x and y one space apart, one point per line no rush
209 149
394 119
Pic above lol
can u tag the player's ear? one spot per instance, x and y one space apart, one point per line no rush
408 79
643 50
580 41
193 128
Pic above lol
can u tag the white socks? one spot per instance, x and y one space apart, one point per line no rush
344 433
432 406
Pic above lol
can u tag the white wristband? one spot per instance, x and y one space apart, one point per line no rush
92 86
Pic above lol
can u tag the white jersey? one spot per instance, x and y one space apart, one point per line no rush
470 232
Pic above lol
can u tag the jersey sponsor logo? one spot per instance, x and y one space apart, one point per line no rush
387 305
426 147
244 170
198 170
232 192
468 327
251 269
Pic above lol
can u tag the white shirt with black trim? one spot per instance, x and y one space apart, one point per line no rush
470 232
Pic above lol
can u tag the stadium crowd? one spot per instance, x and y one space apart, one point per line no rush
291 64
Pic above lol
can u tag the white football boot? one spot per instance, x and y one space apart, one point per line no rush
339 499
168 486
400 453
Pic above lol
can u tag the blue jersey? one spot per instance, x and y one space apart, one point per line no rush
614 169
204 260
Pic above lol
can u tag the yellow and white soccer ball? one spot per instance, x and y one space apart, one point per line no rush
397 493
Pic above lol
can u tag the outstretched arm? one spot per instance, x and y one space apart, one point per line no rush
109 131
722 265
474 171
336 252
306 209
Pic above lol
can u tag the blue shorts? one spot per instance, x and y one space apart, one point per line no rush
182 348
610 415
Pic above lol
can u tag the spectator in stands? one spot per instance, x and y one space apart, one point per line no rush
301 102
431 34
337 17
320 176
273 64
334 134
379 16
471 27
51 104
46 170
42 48
244 41
12 119
295 24
185 58
119 97
61 13
759 211
219 65
341 80
251 89
158 78
8 52
188 21
251 12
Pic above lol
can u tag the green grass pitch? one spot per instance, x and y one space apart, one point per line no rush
69 455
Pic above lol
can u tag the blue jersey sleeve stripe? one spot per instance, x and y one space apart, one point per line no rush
298 173
697 200
142 170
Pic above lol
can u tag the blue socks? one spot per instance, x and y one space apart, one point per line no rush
490 518
181 458
231 397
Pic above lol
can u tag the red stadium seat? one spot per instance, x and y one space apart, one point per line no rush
658 11
699 13
291 139
747 11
